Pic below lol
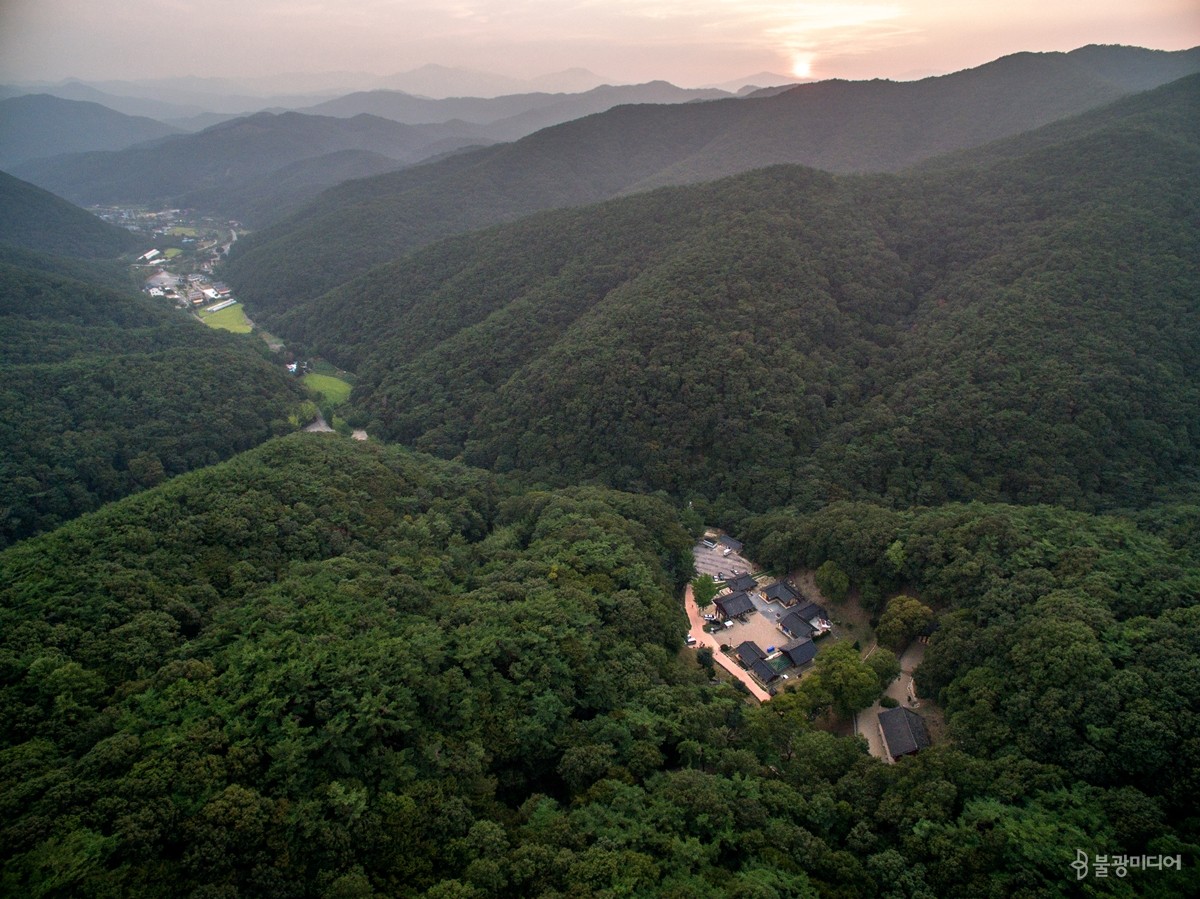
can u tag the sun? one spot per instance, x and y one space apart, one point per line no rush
802 65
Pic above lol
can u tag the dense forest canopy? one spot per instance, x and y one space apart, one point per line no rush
964 396
328 668
104 392
1014 331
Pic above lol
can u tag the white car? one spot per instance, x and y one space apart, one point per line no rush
691 641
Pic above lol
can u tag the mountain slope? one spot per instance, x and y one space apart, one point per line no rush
842 126
231 152
255 677
103 393
258 200
36 126
794 336
35 219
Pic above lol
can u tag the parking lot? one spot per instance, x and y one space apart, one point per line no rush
757 627
715 563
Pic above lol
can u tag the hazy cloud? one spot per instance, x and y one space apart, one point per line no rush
689 41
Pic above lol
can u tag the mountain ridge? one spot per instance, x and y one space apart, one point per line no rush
538 347
632 148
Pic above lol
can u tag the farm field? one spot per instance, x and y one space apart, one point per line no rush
335 390
231 318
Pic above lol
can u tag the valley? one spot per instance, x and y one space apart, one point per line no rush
783 493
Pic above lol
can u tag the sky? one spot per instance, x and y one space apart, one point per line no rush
688 42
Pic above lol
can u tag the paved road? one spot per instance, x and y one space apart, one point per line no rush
702 639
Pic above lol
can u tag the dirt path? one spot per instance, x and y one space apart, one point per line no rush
319 424
901 690
702 639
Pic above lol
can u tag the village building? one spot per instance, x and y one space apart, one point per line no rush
741 582
800 652
734 605
903 732
781 593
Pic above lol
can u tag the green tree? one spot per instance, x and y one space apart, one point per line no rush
903 619
833 583
850 682
704 589
885 665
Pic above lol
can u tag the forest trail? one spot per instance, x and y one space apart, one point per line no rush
318 424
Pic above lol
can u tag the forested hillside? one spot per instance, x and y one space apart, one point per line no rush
103 392
1014 331
328 668
34 219
39 125
259 200
838 126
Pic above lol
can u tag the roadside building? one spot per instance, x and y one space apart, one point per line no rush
749 652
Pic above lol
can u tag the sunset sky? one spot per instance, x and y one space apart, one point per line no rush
689 42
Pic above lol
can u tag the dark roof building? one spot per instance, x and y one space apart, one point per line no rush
763 672
732 605
800 652
810 611
780 592
797 627
749 652
741 582
730 543
903 731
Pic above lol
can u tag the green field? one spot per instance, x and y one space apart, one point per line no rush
334 390
231 318
172 252
182 231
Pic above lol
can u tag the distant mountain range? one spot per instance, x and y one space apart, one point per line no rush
40 125
838 126
229 158
513 116
235 167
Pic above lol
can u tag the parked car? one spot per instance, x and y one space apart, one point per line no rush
691 641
